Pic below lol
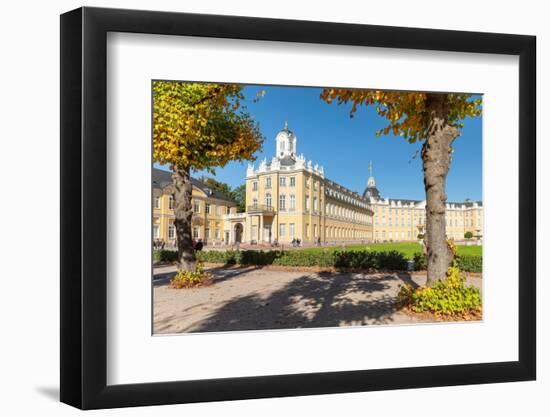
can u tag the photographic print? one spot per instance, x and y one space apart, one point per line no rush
285 207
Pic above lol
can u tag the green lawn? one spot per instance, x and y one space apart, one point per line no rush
407 248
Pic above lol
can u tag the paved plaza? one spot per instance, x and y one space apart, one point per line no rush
258 298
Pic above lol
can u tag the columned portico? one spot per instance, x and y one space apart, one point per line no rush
259 221
236 226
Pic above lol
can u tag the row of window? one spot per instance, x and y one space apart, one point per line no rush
171 231
347 213
467 222
422 220
404 211
342 232
330 232
282 201
283 183
196 232
196 206
392 235
408 221
207 233
331 209
208 210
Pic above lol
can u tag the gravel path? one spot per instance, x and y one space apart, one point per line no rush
256 298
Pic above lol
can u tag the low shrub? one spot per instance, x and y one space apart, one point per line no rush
450 296
229 257
420 261
466 263
163 255
392 260
470 263
189 279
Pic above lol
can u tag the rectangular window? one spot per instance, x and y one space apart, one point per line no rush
292 181
315 204
156 231
255 186
197 206
282 230
314 230
228 211
292 202
157 202
255 202
291 230
216 233
282 202
307 202
171 202
307 229
207 233
282 181
218 210
171 232
268 182
207 208
196 231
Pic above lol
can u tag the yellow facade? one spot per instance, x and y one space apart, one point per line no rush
209 211
297 204
396 220
289 199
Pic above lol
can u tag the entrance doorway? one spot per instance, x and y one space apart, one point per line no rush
267 233
238 230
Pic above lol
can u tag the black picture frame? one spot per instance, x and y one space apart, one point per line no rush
84 207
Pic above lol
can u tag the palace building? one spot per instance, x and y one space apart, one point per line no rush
289 198
404 220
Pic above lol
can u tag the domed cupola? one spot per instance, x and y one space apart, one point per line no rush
371 192
286 143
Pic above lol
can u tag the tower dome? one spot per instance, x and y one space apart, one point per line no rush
371 182
371 192
286 143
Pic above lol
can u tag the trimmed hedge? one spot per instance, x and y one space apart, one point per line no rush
165 256
470 263
467 263
392 260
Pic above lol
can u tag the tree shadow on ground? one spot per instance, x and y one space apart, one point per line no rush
320 300
219 274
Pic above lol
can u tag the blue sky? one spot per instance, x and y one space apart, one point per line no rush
344 146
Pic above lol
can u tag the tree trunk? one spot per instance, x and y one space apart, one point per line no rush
183 212
436 158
